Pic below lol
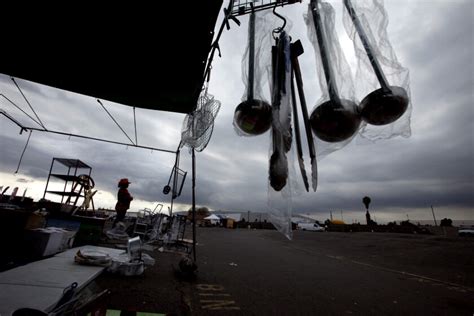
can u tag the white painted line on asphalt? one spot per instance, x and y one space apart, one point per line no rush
420 278
433 282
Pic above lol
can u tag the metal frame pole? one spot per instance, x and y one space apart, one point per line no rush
49 176
434 217
194 202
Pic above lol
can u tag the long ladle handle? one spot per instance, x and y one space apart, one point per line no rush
368 49
251 56
328 72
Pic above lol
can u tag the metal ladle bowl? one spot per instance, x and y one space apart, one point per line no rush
253 117
335 122
384 107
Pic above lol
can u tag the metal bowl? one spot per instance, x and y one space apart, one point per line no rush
381 107
334 122
253 117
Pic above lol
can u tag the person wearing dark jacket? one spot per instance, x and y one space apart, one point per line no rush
123 201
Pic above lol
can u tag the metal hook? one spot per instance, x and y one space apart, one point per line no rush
279 29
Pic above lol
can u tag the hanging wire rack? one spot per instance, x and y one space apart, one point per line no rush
241 7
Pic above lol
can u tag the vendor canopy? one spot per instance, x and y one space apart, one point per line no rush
144 54
212 217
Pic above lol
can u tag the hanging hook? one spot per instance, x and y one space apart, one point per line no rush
279 29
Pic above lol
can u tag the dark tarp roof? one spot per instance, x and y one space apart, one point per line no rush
143 54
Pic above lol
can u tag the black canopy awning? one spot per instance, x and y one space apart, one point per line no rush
144 54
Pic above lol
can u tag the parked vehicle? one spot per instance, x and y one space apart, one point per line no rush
311 227
468 231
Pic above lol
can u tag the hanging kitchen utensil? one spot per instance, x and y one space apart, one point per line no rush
296 124
282 184
337 119
281 113
297 50
384 105
252 116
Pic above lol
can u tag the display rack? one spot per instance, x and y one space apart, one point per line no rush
74 181
241 7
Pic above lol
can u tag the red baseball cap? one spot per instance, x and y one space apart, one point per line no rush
124 181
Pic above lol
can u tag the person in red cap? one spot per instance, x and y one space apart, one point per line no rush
123 201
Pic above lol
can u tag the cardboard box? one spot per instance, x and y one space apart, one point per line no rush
49 241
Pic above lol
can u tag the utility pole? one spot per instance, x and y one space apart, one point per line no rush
342 218
434 217
248 216
330 215
366 200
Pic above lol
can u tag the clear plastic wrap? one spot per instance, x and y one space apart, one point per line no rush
281 162
262 42
279 202
253 114
265 23
259 39
374 21
348 92
341 72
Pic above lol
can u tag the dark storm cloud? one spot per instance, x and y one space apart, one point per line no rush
433 166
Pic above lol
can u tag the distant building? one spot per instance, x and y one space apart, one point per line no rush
235 216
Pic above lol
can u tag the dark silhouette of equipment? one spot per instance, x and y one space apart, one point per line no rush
76 185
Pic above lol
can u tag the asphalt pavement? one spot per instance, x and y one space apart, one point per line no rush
260 272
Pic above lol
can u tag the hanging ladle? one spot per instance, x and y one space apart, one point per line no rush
252 116
337 119
384 105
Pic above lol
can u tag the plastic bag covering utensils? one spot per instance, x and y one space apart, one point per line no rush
374 20
281 113
336 119
384 105
281 174
252 116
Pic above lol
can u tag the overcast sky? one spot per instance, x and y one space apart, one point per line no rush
403 176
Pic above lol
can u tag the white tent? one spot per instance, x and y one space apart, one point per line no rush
213 218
